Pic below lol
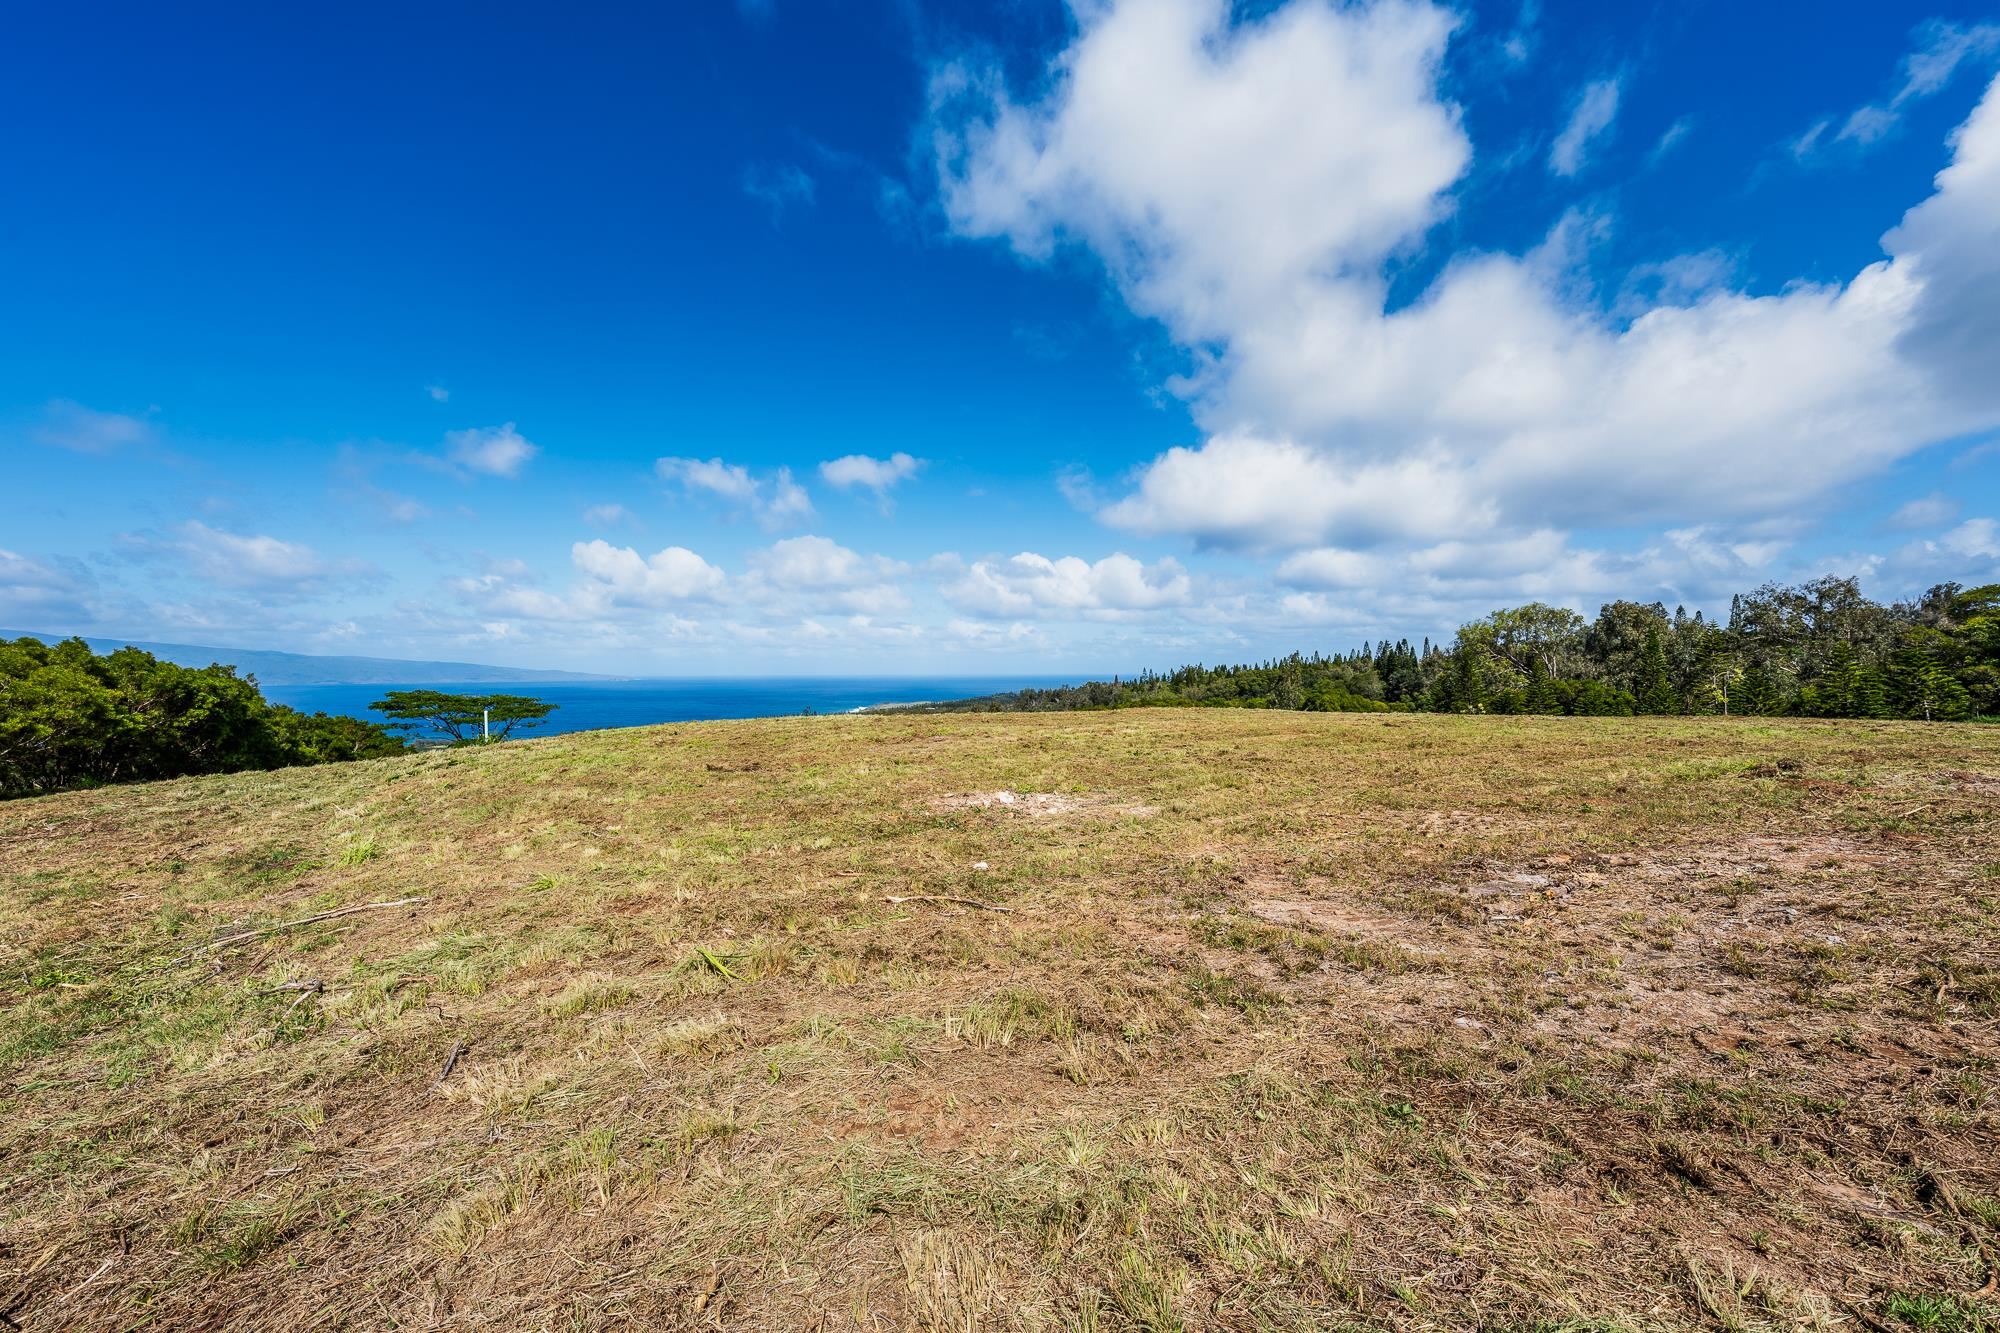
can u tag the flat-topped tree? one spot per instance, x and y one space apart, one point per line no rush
463 717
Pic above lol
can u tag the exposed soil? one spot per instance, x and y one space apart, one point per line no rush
1039 804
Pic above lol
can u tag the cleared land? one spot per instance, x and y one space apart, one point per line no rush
1295 1021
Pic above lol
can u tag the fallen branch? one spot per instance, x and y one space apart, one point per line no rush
450 1063
242 936
947 898
306 992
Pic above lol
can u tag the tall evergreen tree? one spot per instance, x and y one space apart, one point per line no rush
1922 689
1542 697
1871 694
1656 687
1758 694
1840 685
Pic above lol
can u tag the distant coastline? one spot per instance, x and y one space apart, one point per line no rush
280 668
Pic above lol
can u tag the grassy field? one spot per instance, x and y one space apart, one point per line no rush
1290 1021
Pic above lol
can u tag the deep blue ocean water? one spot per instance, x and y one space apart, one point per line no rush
588 705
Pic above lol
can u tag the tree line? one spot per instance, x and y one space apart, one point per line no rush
73 718
1820 649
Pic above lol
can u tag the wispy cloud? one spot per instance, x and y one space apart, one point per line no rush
779 186
68 425
1926 511
1671 139
1519 43
252 562
1938 52
43 595
1590 120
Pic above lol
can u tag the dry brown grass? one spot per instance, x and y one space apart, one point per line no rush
1298 1022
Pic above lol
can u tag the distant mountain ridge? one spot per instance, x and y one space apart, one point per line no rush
275 668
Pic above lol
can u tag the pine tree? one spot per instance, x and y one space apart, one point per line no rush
1656 689
1541 690
1871 694
1922 689
1757 695
1468 682
1840 686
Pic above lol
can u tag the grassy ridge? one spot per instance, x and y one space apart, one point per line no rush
1293 1021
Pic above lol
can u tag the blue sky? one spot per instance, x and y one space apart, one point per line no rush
801 337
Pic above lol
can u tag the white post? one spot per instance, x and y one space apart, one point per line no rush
486 724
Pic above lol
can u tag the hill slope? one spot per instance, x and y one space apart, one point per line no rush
275 668
1289 1021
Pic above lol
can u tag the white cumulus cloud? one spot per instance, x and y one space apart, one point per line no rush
1249 183
776 500
820 562
497 451
1975 538
1031 584
877 474
623 577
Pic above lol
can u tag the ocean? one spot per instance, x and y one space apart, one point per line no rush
590 705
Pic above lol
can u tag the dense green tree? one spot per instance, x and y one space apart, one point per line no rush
69 717
1820 648
1400 670
1837 693
1541 694
1759 694
1468 680
1921 688
1963 633
1617 639
1656 688
1594 698
1511 640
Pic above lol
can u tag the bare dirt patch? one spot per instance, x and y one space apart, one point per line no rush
1323 914
1984 784
1040 804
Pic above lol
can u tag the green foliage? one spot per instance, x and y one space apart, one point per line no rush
1759 694
1820 650
462 717
72 718
1920 687
1656 690
1940 1311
